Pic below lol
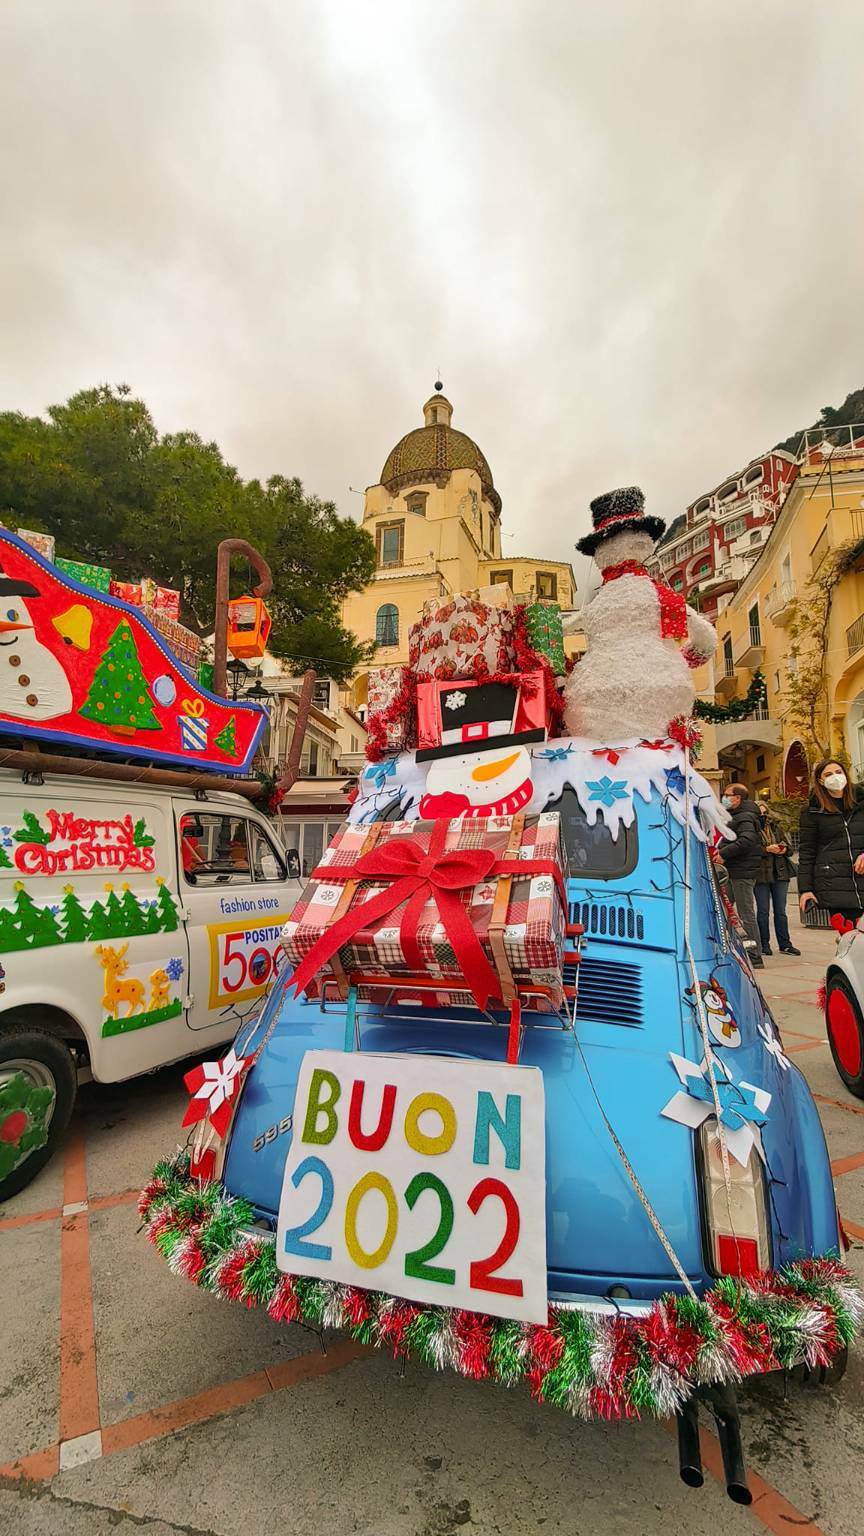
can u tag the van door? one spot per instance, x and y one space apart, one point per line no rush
237 895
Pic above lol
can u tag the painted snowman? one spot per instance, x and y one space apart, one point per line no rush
33 684
480 765
642 638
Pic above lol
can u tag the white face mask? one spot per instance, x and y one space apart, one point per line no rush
835 783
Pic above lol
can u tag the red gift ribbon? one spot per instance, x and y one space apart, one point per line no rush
420 873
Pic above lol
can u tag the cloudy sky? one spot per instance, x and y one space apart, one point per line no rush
629 234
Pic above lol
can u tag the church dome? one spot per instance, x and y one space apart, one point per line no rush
434 449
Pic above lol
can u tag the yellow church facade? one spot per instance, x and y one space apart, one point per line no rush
435 517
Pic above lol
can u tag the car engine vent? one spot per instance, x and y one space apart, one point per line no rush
608 920
609 991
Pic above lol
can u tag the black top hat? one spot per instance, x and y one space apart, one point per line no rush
476 718
621 511
12 587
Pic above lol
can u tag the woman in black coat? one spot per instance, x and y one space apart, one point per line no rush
831 847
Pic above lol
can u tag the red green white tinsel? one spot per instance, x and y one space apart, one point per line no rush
592 1364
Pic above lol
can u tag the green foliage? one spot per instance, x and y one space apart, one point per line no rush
851 411
97 475
736 709
806 692
31 830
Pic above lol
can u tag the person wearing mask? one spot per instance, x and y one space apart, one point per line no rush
743 861
772 885
831 844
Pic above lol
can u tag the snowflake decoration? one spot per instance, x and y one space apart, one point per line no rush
174 969
379 773
606 790
676 781
773 1044
743 1106
556 754
455 700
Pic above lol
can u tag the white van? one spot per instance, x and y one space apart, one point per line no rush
138 925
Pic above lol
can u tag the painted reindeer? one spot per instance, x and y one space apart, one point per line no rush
130 991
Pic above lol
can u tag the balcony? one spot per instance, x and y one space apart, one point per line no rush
842 525
751 653
779 604
855 636
727 683
759 731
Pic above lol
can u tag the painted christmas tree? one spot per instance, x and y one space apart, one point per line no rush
37 926
74 918
167 908
8 931
133 917
118 696
97 922
5 861
152 920
31 830
226 741
114 914
141 837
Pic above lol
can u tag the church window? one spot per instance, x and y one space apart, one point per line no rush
499 578
390 541
547 584
416 502
387 625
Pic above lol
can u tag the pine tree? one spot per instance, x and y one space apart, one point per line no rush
226 741
118 696
8 931
36 925
167 908
133 917
5 861
97 922
152 920
74 918
114 914
141 837
31 830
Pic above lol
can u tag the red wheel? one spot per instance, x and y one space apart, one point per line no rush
845 1033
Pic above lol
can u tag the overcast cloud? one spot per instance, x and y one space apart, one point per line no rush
629 234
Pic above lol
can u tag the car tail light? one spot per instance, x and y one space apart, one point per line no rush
736 1218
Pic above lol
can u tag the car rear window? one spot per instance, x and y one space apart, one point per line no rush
592 851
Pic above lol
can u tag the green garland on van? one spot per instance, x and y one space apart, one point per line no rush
26 925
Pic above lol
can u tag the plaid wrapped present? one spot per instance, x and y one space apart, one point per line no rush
96 576
462 638
43 543
481 902
391 725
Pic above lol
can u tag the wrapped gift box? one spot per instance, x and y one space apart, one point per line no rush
128 592
462 638
43 543
164 600
186 645
384 688
518 919
96 576
544 632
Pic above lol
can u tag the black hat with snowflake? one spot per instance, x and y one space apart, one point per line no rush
621 511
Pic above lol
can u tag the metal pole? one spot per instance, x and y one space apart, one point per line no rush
227 548
301 720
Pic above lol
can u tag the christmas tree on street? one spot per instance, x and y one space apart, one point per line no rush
226 741
31 830
118 696
167 908
73 917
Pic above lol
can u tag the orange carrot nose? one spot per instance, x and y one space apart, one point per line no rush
494 770
7 624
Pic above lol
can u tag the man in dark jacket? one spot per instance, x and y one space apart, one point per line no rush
743 860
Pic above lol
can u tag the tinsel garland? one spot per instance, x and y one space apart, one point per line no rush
592 1364
402 707
736 709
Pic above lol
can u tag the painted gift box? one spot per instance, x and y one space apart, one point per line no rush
481 902
164 600
462 638
43 543
96 576
544 631
390 713
186 645
128 592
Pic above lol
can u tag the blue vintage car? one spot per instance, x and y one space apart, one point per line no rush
670 1036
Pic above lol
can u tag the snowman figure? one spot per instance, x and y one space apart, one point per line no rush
642 637
33 684
480 766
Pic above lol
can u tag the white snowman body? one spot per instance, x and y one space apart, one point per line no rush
33 684
632 681
496 783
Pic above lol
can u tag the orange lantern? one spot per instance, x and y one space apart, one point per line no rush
249 625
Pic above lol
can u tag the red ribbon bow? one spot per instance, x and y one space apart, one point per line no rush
418 873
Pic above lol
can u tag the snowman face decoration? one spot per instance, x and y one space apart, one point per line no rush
33 684
722 1025
496 783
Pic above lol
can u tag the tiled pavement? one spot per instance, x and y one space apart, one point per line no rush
128 1399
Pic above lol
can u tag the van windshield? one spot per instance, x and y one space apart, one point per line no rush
592 852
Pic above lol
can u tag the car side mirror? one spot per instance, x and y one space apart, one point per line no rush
293 861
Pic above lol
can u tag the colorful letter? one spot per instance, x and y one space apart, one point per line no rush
508 1130
352 1205
430 1146
374 1141
317 1106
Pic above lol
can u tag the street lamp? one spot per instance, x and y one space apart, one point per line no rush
237 671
